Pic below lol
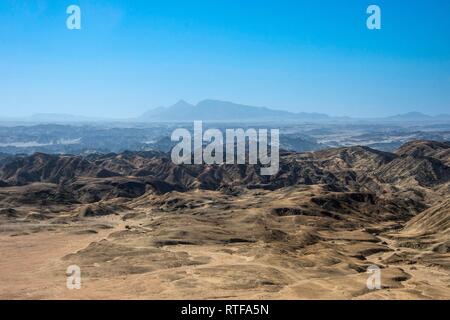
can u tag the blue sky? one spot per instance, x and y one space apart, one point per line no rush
312 56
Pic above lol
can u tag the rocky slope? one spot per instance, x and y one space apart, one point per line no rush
167 231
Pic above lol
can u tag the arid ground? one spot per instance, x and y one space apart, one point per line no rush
140 227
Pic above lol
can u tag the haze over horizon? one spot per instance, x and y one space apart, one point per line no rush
296 56
205 105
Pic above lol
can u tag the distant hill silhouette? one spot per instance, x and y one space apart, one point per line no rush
417 116
215 110
224 111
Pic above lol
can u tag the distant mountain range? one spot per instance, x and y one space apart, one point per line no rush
223 111
215 110
417 116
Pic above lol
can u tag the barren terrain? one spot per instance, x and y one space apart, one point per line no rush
140 227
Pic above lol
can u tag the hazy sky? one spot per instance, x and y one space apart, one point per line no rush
313 56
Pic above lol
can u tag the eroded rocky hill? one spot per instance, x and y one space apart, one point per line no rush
170 231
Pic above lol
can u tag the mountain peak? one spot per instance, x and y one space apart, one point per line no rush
181 104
